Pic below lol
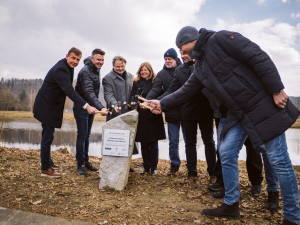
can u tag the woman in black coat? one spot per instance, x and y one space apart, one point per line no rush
150 126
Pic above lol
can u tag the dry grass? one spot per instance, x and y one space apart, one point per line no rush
146 200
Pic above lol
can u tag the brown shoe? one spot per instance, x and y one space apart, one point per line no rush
54 166
50 173
212 179
190 180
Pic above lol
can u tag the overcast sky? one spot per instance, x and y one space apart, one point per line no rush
35 34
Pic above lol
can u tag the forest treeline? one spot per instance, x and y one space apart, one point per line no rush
19 95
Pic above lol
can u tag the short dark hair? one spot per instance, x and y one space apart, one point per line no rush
76 51
98 51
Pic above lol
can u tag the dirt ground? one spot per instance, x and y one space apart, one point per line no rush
147 199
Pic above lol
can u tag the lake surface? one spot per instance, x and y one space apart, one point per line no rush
27 135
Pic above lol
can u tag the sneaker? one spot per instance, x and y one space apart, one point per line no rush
90 167
144 172
153 172
81 170
50 172
54 166
256 189
215 187
190 180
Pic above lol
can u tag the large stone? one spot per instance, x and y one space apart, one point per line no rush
114 170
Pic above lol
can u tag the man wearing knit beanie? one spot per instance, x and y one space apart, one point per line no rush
172 116
185 35
243 85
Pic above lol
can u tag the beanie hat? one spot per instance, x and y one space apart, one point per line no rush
171 53
185 35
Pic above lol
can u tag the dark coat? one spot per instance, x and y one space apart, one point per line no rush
50 100
234 72
196 108
88 84
150 126
161 84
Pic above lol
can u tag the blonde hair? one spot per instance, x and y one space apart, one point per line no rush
152 75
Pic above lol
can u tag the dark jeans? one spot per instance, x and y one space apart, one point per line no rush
150 155
189 128
84 122
253 165
47 139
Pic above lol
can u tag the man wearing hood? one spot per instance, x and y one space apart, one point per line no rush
87 86
173 118
245 89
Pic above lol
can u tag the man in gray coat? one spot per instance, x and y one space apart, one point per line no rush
117 85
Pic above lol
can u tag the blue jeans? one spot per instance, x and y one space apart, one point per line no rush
84 122
270 174
173 132
276 151
47 139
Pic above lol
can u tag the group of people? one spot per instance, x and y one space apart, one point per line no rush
224 78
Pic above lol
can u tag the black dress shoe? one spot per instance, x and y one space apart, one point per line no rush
90 167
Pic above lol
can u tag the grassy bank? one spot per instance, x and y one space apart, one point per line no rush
14 115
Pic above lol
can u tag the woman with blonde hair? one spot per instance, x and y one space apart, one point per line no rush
150 126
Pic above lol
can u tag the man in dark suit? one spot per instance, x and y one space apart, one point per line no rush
49 105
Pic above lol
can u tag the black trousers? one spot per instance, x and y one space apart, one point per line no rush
46 142
150 155
253 165
189 128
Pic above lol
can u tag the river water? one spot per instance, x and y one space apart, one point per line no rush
27 135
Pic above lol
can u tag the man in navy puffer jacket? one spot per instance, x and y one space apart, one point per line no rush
236 75
87 86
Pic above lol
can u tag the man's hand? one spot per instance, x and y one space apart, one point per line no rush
280 99
91 109
116 109
103 111
155 106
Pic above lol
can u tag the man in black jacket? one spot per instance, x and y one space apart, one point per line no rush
49 105
87 86
236 75
195 112
161 84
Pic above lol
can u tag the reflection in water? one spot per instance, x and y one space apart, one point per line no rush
27 135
